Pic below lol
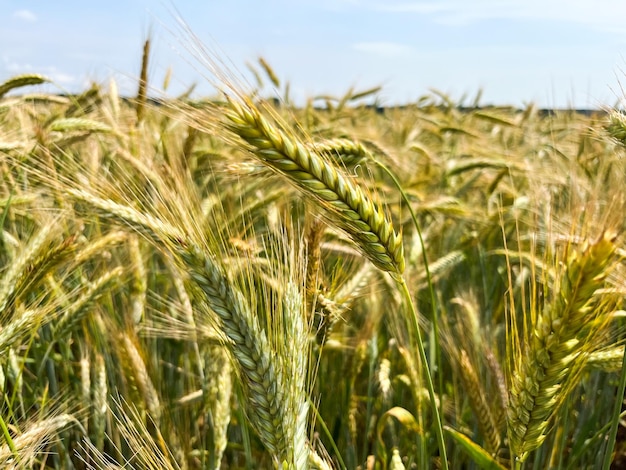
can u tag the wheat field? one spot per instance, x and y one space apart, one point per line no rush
238 282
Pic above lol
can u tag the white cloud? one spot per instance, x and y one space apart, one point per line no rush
601 14
50 71
384 49
14 67
25 15
63 78
337 5
411 7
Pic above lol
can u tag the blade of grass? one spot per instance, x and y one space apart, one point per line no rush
617 408
8 439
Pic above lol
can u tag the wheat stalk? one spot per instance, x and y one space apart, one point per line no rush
85 384
20 81
24 323
142 92
616 126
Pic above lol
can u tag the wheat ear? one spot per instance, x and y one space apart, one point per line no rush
616 126
552 353
277 418
265 383
40 256
32 441
608 360
100 396
478 402
351 209
218 386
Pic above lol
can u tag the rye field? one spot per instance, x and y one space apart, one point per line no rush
237 282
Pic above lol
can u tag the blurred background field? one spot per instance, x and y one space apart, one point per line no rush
135 230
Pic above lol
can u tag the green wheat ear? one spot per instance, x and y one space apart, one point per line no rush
349 206
547 368
616 126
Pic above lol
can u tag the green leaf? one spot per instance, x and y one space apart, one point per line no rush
403 416
480 456
492 118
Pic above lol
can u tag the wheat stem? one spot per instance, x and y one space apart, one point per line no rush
429 381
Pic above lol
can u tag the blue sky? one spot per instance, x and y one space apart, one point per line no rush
555 53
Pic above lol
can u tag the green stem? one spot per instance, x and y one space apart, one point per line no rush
589 442
619 399
4 216
436 361
373 356
433 299
429 381
7 437
319 420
